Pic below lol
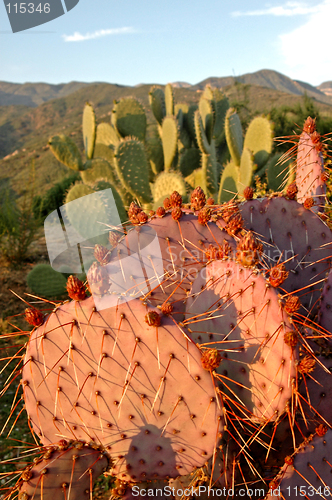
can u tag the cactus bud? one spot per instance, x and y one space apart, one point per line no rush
34 317
114 237
211 359
160 212
292 304
133 212
102 254
278 275
142 217
167 204
167 309
249 250
248 193
98 279
309 125
306 365
292 191
204 215
234 224
308 203
75 288
177 213
175 199
291 338
321 430
197 198
152 318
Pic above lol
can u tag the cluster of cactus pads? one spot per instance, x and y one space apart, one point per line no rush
196 357
187 145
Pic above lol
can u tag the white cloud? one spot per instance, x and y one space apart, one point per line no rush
288 9
307 49
78 37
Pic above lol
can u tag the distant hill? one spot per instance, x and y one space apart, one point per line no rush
181 85
34 94
326 87
269 79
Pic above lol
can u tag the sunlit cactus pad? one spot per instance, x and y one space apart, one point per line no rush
123 380
234 310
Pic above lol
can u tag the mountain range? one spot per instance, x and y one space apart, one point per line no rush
34 94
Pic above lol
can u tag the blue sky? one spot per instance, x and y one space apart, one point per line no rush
148 41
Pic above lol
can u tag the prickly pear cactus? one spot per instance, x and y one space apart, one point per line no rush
197 352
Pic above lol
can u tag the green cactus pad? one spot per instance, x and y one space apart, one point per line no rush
101 185
169 100
155 154
181 106
201 138
228 183
104 152
190 160
132 168
259 139
157 103
234 137
99 169
67 271
197 178
246 170
180 117
278 173
223 154
128 117
90 216
45 282
89 130
208 93
170 140
209 167
221 105
184 141
166 183
66 151
78 191
189 121
107 135
207 114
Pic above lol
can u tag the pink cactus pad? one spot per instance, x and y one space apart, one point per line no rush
325 307
310 173
316 392
310 471
159 260
138 390
297 237
63 473
234 310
